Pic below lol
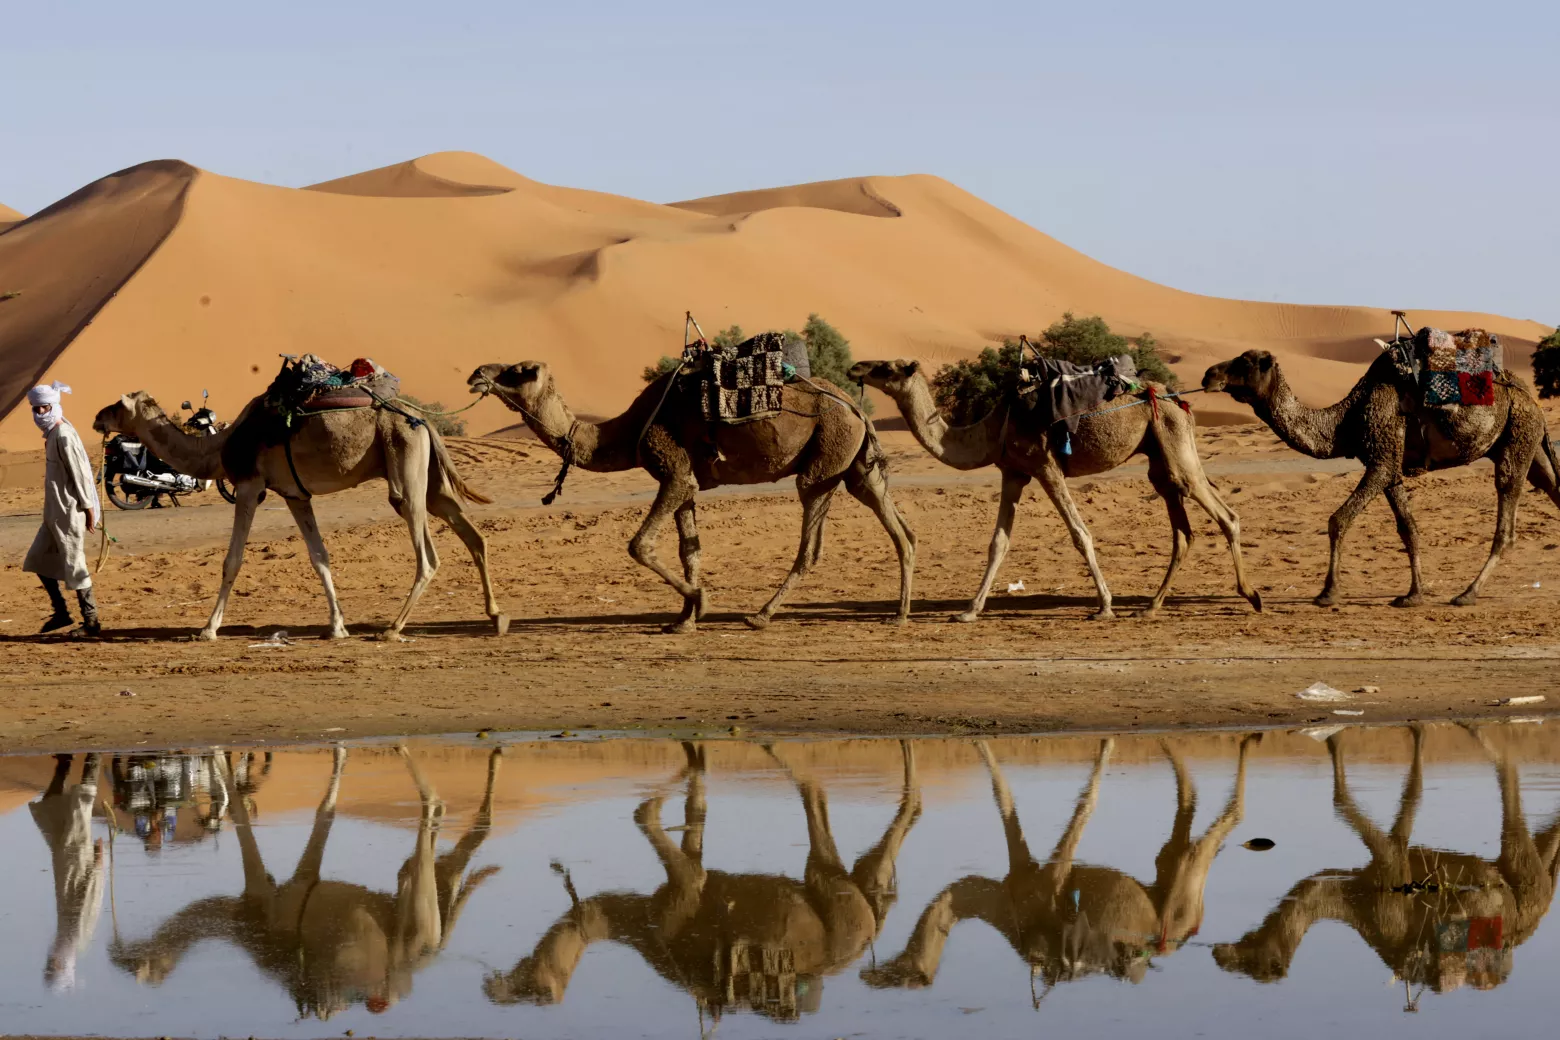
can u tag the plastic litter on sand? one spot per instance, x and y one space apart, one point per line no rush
1320 691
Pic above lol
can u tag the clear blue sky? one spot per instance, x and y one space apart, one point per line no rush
1376 151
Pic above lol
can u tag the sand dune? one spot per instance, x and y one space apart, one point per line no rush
439 264
9 216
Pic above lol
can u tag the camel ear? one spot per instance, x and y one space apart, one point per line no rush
912 368
1265 363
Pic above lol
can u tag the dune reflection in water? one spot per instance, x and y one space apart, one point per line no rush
660 888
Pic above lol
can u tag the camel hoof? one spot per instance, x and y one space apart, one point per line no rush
682 626
336 633
898 620
757 622
206 635
500 624
1467 599
1326 599
390 635
1256 601
703 607
1103 614
1412 600
1146 614
966 617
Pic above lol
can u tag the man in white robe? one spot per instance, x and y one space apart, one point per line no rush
70 511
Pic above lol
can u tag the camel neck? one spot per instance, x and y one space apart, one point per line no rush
1311 431
605 447
962 447
197 455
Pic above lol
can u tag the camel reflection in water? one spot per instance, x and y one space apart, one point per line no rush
757 941
1070 920
1438 919
330 943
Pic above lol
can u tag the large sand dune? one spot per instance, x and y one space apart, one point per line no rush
169 279
9 216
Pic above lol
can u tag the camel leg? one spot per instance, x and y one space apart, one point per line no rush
409 496
1194 483
1509 470
450 868
689 549
672 494
248 496
869 486
1387 850
1013 484
874 870
1408 530
1375 481
815 510
449 509
1543 477
1181 534
1055 484
418 927
309 527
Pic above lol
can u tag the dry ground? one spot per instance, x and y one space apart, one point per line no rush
586 651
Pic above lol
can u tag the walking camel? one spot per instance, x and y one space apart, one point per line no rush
330 451
1070 920
761 941
1372 424
332 943
1023 449
1476 909
819 439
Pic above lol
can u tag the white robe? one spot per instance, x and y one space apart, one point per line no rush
69 487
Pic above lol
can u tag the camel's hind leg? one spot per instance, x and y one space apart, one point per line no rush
309 527
1511 466
447 506
815 510
248 494
1055 484
1542 473
870 487
669 499
1013 484
407 473
1184 467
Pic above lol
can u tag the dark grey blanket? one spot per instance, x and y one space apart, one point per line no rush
1060 391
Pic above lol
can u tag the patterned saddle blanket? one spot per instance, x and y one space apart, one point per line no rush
309 384
1452 367
743 382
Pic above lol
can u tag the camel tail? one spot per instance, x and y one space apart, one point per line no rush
442 460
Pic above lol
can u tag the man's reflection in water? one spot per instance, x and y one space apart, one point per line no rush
758 941
1440 920
64 818
1069 920
331 943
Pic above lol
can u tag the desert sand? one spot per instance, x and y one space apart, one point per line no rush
9 216
171 279
586 653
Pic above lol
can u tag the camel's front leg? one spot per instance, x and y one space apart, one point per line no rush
1510 468
1397 498
1375 481
673 493
309 527
409 496
248 496
1013 484
815 510
1055 485
688 549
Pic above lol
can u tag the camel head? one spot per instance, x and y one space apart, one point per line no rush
887 376
1258 957
123 415
532 982
520 386
1249 378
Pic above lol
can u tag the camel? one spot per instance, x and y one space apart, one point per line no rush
1070 920
760 941
331 451
1438 919
1371 424
331 943
819 438
1024 450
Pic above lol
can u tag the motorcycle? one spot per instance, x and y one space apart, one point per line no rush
134 478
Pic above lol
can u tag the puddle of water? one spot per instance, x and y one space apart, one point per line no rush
930 888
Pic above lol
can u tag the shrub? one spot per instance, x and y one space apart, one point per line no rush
444 425
968 390
1546 365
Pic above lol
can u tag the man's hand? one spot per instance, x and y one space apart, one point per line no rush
91 521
